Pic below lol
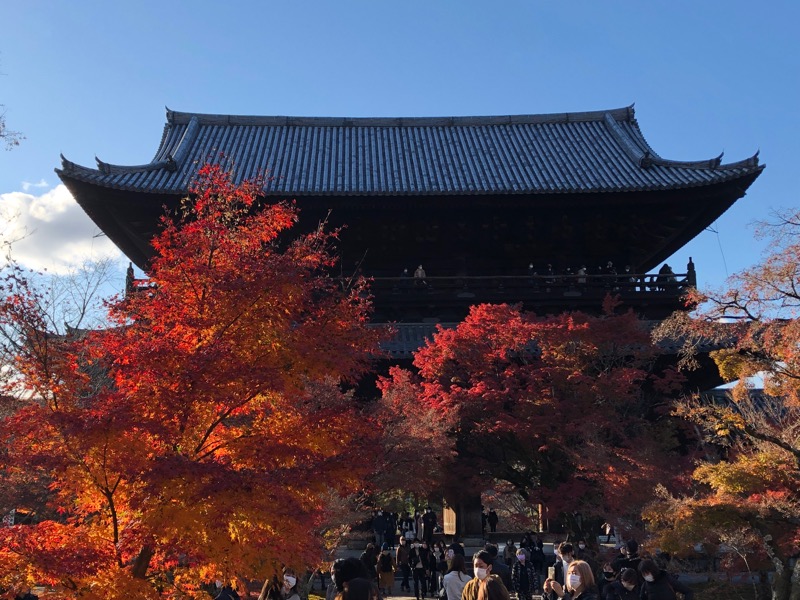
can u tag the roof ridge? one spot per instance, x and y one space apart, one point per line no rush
182 118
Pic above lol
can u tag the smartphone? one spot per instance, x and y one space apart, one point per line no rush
551 572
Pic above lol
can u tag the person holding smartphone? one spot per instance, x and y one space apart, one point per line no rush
580 584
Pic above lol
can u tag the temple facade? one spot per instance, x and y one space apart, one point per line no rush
547 210
551 211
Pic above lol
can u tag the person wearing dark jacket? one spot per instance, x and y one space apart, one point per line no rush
420 560
370 559
342 571
564 556
537 554
627 587
524 578
659 585
379 523
402 559
499 567
493 519
608 576
631 559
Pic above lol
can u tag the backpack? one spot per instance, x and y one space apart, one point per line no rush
386 563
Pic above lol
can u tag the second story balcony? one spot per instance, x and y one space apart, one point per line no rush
447 298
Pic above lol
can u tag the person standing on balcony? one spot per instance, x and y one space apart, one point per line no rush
419 277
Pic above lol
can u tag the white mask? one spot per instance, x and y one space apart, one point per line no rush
649 578
574 581
289 581
521 557
481 573
581 546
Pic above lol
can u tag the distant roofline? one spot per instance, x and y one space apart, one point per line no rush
181 118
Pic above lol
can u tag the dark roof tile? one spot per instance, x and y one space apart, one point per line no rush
601 151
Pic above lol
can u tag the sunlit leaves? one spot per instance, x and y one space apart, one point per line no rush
206 433
749 478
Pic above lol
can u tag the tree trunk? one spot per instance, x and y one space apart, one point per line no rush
142 562
794 593
786 580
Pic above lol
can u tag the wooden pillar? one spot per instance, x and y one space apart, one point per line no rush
450 521
468 510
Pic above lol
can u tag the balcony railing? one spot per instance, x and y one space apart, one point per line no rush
644 283
394 297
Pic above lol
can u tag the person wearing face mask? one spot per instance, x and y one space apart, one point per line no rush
607 576
289 590
586 554
582 552
524 578
420 560
659 585
580 584
402 558
627 587
482 564
379 522
564 556
509 553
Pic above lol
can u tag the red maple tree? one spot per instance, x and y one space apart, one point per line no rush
202 435
560 407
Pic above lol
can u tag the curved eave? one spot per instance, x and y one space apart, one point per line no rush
111 209
746 170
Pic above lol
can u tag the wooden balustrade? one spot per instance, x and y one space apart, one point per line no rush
674 284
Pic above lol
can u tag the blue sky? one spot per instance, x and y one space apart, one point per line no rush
91 78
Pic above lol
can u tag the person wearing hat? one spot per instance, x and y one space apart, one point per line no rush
386 569
631 559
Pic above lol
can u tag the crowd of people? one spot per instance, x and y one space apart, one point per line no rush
608 277
440 571
433 569
388 527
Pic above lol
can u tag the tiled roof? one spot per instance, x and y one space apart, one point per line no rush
410 337
601 151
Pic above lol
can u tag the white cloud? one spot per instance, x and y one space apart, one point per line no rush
27 185
50 231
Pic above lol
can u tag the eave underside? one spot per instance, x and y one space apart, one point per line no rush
464 235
